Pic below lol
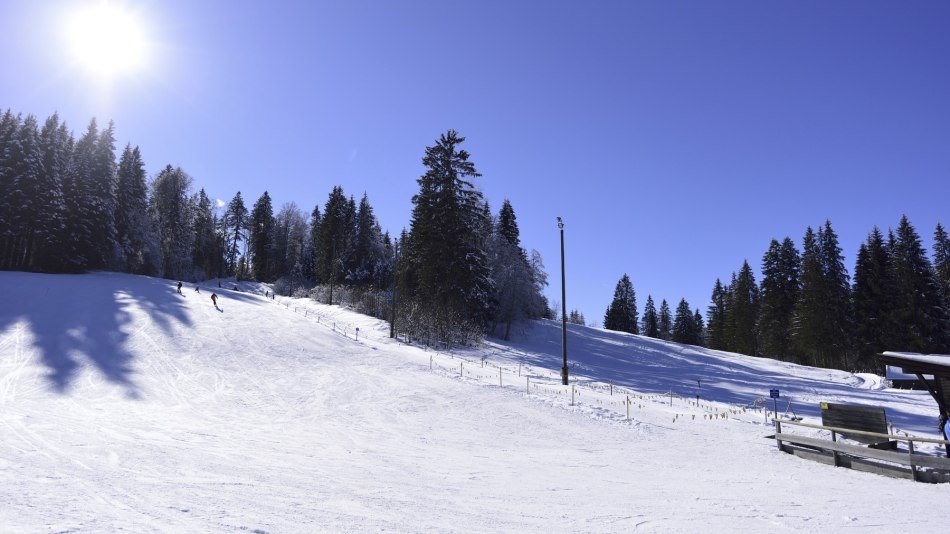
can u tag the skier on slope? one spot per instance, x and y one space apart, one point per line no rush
214 299
179 288
197 289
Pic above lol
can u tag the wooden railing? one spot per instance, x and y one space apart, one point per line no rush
910 458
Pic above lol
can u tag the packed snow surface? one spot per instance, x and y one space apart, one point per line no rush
126 406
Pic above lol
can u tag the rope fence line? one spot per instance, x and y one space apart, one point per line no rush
547 382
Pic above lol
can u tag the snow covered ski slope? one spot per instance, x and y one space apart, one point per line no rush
125 406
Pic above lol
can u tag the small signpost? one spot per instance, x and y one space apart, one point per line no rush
774 394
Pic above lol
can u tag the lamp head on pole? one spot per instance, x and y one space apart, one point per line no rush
560 223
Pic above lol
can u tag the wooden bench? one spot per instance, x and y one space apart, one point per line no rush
858 417
924 468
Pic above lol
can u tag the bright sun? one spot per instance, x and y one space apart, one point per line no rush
106 39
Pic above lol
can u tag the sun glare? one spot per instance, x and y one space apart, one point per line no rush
107 39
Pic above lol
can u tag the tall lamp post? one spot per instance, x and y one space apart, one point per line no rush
560 225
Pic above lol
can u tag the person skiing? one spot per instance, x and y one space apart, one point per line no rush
197 289
179 288
214 299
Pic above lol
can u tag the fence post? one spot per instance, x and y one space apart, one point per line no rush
913 468
834 454
778 430
527 385
461 372
430 362
519 369
611 390
628 407
671 396
572 394
499 377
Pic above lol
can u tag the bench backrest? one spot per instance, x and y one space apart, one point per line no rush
856 417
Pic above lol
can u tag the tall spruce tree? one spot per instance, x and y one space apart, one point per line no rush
172 217
334 237
261 238
22 172
235 225
665 323
133 232
743 313
716 318
779 292
445 252
919 311
649 325
872 294
622 313
684 329
839 318
207 254
941 255
56 146
700 329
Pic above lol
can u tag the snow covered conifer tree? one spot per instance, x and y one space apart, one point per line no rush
235 224
172 217
21 173
919 309
716 318
649 324
872 294
622 313
665 323
261 238
779 291
445 253
132 225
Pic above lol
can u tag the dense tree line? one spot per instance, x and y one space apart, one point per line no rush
686 326
67 205
808 310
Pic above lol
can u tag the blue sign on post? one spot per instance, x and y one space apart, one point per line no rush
773 393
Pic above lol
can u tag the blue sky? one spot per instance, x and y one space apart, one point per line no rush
674 138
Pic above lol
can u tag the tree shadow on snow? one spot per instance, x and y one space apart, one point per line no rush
71 319
654 366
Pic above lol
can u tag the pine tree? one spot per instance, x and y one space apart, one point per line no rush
665 324
743 313
22 172
622 313
941 254
207 254
55 146
517 282
335 235
699 330
103 204
684 331
716 318
508 224
779 292
576 317
445 254
171 214
313 269
261 237
873 302
839 319
823 328
235 224
649 324
919 310
133 232
79 192
369 254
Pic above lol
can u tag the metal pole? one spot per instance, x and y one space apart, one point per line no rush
560 225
